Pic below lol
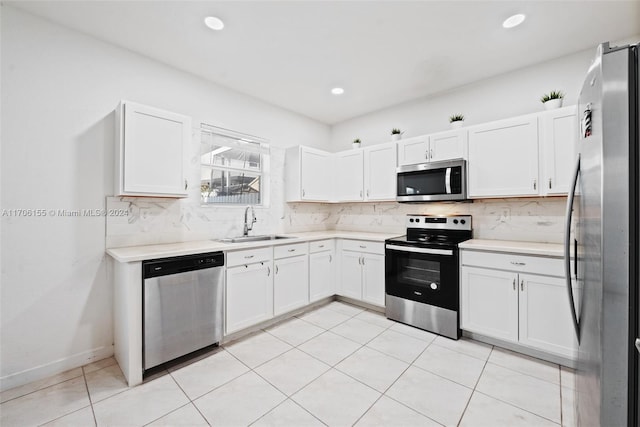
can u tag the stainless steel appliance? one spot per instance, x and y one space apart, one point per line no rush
182 306
430 182
422 277
604 202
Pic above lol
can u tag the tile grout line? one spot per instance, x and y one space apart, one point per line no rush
473 391
500 400
86 386
187 396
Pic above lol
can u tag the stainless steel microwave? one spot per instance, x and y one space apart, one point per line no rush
432 182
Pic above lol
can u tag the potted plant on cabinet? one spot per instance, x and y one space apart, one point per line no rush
552 100
356 143
396 134
456 120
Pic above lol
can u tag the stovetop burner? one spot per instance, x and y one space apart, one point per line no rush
435 231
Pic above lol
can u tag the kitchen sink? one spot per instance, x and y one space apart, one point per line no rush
242 239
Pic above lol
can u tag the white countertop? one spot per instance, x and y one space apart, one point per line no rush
141 253
528 248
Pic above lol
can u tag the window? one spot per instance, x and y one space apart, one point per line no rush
233 167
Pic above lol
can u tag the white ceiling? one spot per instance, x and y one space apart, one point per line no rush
291 53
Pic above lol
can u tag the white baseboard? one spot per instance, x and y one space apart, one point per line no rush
55 367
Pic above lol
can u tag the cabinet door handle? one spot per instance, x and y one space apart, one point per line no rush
186 184
248 256
360 193
426 154
518 263
550 184
367 193
535 184
268 271
276 268
330 259
362 260
303 192
522 285
431 153
514 284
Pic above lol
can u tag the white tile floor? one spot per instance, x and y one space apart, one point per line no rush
338 365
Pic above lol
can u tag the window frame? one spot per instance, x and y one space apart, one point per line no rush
262 147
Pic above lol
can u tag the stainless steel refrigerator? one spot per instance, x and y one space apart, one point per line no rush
604 202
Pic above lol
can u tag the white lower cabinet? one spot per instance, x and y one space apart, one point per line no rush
322 277
291 279
489 302
545 316
249 295
525 306
362 271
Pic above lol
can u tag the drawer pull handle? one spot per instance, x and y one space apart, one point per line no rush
291 250
518 263
248 256
363 246
321 246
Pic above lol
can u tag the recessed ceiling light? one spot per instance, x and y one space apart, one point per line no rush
337 91
214 23
513 21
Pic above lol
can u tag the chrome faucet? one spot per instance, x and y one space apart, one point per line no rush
247 226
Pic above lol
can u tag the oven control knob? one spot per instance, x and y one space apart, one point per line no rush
462 221
455 221
410 219
433 286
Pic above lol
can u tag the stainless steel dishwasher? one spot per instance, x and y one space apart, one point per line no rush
182 306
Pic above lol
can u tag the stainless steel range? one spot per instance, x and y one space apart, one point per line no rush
422 274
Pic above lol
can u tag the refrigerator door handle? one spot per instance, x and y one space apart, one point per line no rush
567 246
638 344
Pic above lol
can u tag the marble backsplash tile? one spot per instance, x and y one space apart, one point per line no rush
152 221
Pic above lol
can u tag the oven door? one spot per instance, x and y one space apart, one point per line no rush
425 275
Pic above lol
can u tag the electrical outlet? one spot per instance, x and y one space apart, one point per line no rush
144 213
505 215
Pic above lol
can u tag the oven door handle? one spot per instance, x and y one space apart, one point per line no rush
420 250
447 181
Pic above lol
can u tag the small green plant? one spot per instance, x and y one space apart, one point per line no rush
456 118
554 94
395 131
356 141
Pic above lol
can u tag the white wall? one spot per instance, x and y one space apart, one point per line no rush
59 92
499 97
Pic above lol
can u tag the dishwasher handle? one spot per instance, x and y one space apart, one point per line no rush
181 264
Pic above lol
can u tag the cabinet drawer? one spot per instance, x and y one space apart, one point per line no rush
363 246
248 256
512 262
321 245
285 251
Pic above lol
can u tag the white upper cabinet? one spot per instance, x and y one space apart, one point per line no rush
380 172
433 148
558 139
307 177
503 158
349 169
414 150
448 145
150 151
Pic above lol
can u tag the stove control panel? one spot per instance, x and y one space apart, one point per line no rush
453 222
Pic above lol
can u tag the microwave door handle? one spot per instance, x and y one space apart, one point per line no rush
447 181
